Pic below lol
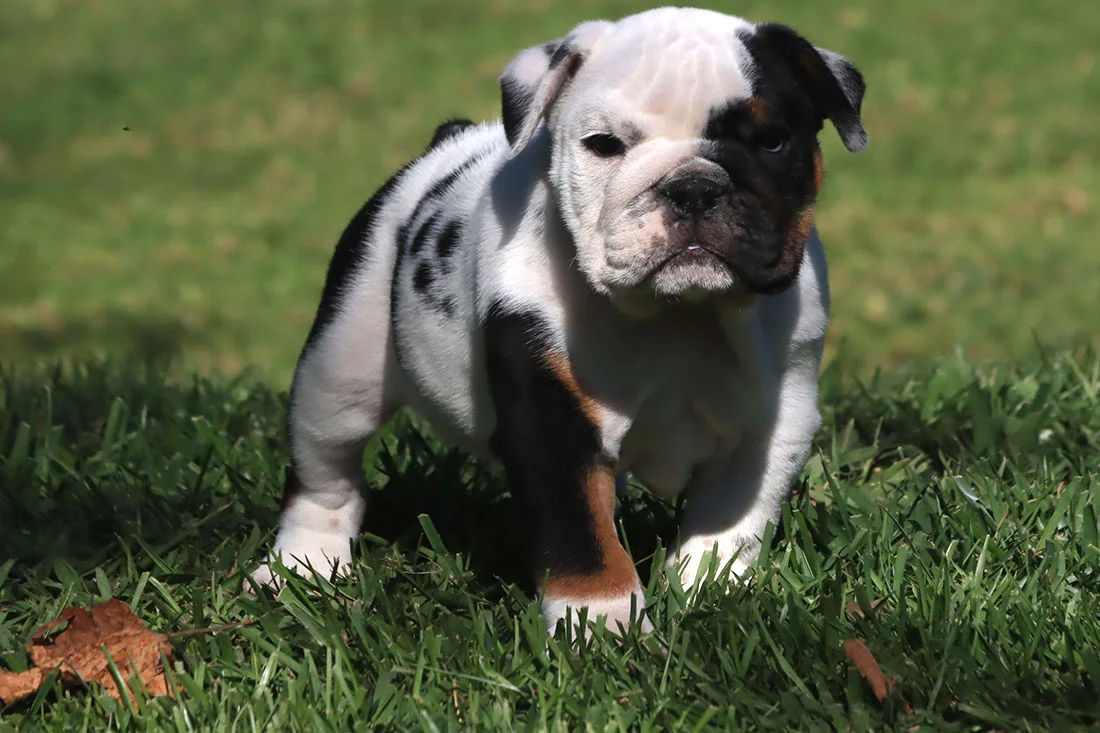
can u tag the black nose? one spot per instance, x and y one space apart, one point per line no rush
692 196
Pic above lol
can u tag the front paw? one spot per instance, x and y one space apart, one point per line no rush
311 536
613 613
700 559
300 552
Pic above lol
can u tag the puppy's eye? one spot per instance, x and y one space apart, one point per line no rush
604 145
773 139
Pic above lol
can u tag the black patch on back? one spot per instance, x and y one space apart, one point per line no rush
546 443
351 250
449 129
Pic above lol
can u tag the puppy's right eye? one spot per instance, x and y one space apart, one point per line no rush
604 145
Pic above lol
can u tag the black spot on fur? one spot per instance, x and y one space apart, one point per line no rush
546 459
449 129
422 234
423 278
448 240
429 288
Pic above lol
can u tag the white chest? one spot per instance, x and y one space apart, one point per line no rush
680 397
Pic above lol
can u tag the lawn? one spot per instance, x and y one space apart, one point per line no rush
175 174
948 519
173 177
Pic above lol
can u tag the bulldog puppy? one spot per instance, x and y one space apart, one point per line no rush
622 274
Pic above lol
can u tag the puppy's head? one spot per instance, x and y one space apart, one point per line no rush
684 159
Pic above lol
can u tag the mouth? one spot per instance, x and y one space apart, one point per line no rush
694 272
694 255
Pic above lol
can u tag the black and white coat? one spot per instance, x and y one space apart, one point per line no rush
621 275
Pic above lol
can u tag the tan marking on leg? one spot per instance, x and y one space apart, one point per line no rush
563 370
617 576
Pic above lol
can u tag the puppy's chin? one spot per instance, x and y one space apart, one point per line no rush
693 276
688 281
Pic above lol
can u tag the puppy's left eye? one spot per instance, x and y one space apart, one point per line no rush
604 145
773 140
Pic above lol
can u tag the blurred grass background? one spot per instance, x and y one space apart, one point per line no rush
174 174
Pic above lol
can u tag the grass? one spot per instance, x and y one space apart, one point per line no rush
201 233
948 517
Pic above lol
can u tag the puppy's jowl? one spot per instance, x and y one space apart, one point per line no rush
622 274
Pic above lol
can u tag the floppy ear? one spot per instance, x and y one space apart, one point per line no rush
834 84
534 79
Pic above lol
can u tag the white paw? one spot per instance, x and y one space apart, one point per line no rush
614 613
311 536
702 558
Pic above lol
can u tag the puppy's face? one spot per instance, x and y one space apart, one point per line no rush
684 147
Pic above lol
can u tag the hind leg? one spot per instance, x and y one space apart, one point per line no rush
344 389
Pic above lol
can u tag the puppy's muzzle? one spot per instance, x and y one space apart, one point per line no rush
693 197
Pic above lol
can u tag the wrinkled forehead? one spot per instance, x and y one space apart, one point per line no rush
669 69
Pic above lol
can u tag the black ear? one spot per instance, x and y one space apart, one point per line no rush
533 80
519 83
834 84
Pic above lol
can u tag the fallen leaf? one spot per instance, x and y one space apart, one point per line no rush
20 685
867 665
78 643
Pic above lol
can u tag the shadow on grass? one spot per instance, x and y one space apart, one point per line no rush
142 337
95 454
469 505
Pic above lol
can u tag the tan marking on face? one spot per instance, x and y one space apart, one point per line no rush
797 236
819 170
617 577
759 111
799 232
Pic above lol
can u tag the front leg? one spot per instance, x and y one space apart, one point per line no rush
548 437
731 500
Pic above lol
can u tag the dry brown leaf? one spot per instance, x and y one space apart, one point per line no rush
867 665
78 653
